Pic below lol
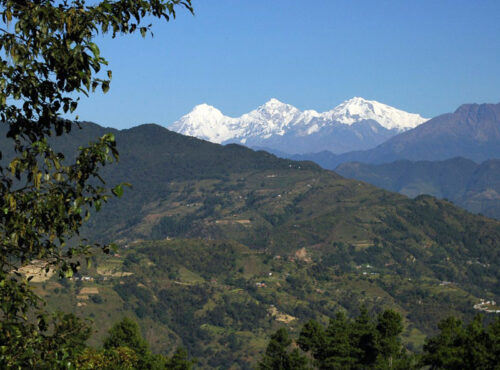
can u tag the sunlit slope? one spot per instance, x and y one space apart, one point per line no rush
222 300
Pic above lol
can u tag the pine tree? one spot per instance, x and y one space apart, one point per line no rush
446 350
339 351
278 355
389 327
364 339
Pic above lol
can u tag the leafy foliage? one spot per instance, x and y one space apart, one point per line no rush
55 340
124 348
48 59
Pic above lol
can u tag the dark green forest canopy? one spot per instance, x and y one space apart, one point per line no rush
375 343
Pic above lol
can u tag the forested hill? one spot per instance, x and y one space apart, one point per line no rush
189 187
150 152
185 187
237 219
172 156
151 157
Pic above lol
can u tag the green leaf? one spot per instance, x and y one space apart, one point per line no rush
109 137
37 180
95 49
118 190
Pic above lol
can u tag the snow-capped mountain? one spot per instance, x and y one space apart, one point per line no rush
355 124
358 109
208 123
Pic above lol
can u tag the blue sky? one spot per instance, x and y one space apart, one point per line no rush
425 57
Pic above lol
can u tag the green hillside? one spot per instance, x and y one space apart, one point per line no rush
220 246
222 300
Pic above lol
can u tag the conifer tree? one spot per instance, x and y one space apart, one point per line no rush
278 355
457 347
362 343
389 327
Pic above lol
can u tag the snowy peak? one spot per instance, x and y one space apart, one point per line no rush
359 109
274 103
274 106
204 122
205 112
275 119
272 118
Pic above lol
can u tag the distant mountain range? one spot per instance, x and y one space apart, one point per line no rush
472 131
356 124
473 186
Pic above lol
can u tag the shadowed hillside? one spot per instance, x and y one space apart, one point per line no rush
471 186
